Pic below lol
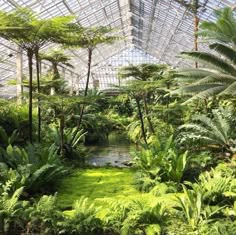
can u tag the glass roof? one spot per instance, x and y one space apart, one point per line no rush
159 28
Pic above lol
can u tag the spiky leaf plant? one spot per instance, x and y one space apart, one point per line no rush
217 76
210 132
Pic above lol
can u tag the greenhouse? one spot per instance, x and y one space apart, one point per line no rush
118 117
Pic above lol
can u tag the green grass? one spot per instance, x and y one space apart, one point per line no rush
102 183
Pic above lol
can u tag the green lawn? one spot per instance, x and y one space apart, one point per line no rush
101 183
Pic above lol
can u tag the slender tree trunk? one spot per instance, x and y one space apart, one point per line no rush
168 101
56 75
90 52
196 26
30 63
147 114
38 89
141 119
62 126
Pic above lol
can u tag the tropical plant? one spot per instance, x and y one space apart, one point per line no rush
214 187
217 76
14 117
24 28
71 143
61 107
11 209
222 30
7 140
84 220
56 57
160 162
32 167
145 74
88 38
210 132
44 216
136 217
195 213
221 227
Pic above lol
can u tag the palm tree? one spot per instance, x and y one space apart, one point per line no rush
145 73
218 75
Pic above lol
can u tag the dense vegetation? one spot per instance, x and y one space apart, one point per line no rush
182 175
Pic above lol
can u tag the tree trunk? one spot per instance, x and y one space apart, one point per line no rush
168 101
147 115
141 119
196 26
56 75
38 89
90 52
30 63
62 126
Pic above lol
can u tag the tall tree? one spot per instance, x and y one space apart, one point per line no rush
144 73
56 57
89 39
30 33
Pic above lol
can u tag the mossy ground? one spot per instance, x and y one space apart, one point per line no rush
101 183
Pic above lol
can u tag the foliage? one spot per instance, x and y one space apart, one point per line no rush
136 217
214 186
222 30
31 167
30 33
55 81
84 220
71 143
217 75
220 227
195 212
13 118
11 209
44 216
210 132
160 162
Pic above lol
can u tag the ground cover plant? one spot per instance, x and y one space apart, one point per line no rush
181 175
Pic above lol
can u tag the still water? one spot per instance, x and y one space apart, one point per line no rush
115 151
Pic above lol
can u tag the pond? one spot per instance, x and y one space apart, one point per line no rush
114 152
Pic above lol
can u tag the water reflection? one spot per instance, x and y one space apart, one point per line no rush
115 151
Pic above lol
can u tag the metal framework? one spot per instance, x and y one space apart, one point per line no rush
158 29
